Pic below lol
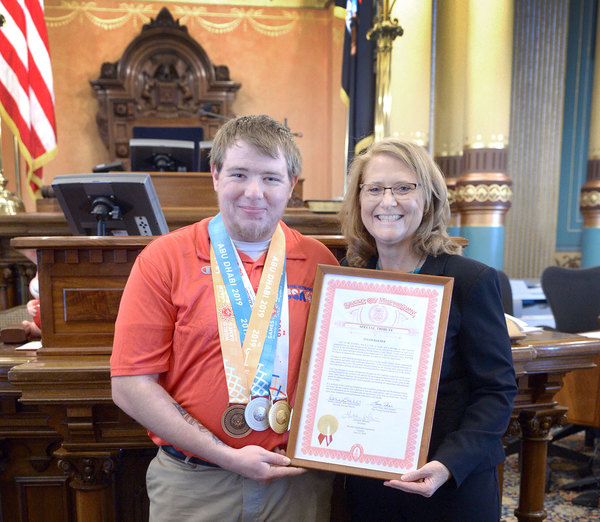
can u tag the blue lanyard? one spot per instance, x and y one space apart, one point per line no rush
230 271
264 372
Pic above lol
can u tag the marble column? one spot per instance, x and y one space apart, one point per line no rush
484 189
589 199
410 85
449 96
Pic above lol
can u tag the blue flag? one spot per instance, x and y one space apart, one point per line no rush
358 74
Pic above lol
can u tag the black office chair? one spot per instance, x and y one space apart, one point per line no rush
574 298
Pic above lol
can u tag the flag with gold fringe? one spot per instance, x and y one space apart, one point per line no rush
26 90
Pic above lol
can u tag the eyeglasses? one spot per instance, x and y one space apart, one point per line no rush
399 191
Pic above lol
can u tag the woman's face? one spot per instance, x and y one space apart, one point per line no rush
391 220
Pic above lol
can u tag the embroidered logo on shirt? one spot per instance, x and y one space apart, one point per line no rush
205 269
300 293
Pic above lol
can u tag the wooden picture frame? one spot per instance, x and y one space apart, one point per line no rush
369 372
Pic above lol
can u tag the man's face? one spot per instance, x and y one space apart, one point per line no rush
253 190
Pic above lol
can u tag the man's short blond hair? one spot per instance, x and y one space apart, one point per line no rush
267 135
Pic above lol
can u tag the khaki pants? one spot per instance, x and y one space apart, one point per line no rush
189 492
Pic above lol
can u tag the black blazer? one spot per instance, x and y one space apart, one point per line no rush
477 381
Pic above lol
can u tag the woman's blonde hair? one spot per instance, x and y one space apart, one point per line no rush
431 236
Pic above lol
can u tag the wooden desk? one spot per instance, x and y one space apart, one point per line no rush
16 271
64 441
580 394
541 361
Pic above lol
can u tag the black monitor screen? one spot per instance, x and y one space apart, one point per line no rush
149 155
119 204
195 134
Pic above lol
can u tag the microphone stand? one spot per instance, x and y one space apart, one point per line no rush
206 110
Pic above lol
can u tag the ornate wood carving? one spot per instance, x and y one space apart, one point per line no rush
163 78
86 471
536 424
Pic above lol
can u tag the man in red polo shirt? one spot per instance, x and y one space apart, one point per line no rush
209 337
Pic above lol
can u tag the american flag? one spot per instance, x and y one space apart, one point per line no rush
26 92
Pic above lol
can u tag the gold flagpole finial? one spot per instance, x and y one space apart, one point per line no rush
385 30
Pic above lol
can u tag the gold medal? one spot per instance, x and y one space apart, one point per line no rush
256 413
279 416
233 421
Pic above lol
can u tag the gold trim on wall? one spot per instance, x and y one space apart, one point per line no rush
290 4
211 18
484 192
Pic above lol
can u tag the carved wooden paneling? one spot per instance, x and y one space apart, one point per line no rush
91 304
44 499
163 78
80 291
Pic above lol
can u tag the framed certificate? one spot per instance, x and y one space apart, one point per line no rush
369 372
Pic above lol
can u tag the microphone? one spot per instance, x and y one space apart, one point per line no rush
206 110
297 134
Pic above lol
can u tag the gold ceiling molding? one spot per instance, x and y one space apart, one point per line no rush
289 4
107 18
270 22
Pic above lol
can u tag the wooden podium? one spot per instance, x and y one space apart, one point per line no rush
68 382
70 454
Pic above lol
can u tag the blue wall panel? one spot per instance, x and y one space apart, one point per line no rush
576 121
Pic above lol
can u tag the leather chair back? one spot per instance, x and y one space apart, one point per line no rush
574 297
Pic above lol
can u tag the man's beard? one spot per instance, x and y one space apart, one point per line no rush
250 232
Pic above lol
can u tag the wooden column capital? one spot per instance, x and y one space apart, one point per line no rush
536 424
87 471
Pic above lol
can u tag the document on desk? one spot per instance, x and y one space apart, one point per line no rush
370 370
31 345
595 334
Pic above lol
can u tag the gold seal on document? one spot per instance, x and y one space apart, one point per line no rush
233 421
279 416
256 413
327 425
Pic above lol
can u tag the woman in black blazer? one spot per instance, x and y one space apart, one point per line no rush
394 218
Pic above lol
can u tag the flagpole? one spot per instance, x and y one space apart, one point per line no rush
384 32
17 167
9 203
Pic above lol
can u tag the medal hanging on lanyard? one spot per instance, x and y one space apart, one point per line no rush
246 321
280 412
257 411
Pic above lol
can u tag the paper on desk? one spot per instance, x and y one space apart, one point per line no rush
593 335
523 326
31 345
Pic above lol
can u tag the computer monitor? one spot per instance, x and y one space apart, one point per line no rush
195 134
156 155
119 204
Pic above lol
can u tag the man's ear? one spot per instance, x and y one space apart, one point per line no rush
215 176
294 181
